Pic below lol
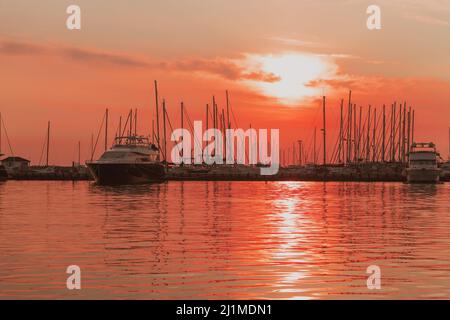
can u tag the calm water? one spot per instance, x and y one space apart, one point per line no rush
230 240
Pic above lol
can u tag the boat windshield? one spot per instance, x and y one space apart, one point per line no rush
112 155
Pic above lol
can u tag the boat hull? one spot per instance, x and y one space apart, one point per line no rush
423 175
125 173
3 173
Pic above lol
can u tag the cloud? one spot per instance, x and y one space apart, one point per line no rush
297 42
83 55
428 19
20 48
226 68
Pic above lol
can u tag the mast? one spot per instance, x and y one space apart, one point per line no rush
153 131
368 135
48 141
135 121
300 149
384 135
1 126
412 126
324 133
228 111
92 146
341 132
408 142
399 134
106 130
393 132
182 127
359 134
354 133
374 137
79 153
315 152
404 134
207 121
131 122
120 128
349 128
164 128
157 115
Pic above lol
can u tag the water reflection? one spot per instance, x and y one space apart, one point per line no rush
188 240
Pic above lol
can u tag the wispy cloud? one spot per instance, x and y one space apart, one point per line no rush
297 42
427 19
222 67
20 48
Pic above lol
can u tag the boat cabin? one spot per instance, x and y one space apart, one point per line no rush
14 164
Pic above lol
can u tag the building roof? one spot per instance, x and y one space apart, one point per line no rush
15 159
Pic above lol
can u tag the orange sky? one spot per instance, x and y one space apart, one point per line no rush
276 58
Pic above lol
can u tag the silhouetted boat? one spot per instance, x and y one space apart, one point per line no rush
131 160
3 172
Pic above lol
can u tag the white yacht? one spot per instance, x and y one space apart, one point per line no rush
131 160
423 164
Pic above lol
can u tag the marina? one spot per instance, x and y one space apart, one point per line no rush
369 146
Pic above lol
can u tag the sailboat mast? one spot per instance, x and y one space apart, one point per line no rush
315 142
384 134
48 142
341 131
106 130
374 137
228 111
157 115
368 135
164 128
324 133
135 121
1 126
79 153
408 142
182 127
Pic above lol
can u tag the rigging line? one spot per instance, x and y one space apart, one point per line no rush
125 125
171 128
192 127
98 135
7 137
234 118
43 148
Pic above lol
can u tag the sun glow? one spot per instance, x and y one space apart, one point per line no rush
295 71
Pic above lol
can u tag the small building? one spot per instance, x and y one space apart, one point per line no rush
15 164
